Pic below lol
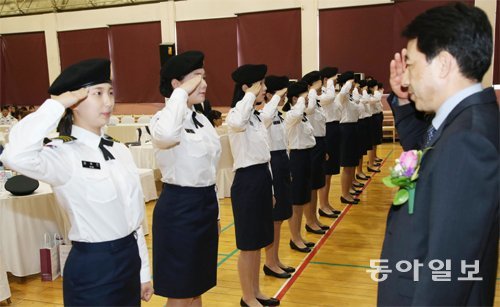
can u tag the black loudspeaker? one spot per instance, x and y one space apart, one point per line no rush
166 52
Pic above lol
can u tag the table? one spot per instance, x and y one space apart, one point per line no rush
4 283
25 219
144 156
124 132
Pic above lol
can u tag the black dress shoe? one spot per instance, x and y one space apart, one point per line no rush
309 244
336 211
346 201
357 184
288 269
374 170
269 302
323 213
318 231
376 164
302 250
356 192
378 160
362 177
270 272
324 227
242 303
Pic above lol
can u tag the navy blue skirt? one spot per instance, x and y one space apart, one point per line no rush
332 140
349 148
318 164
252 202
280 166
185 241
379 119
364 136
103 274
300 169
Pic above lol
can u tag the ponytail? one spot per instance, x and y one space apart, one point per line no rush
66 122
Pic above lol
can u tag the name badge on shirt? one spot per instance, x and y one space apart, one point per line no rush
189 130
276 122
91 165
251 123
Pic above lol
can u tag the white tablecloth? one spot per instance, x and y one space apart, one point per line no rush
123 132
4 283
23 221
144 156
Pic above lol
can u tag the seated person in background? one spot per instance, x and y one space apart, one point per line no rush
216 118
6 118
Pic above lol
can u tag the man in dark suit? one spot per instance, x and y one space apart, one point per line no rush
455 223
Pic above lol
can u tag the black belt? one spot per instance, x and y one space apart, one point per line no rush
106 245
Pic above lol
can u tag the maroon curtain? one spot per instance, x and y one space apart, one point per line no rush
216 38
272 38
358 39
75 46
496 57
24 61
135 61
2 87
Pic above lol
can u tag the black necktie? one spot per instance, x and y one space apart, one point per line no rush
304 118
195 121
279 115
256 113
317 103
107 155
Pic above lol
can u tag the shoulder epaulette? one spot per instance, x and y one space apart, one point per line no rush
65 138
107 137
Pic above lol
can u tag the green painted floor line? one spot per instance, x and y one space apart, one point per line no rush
227 257
226 227
342 265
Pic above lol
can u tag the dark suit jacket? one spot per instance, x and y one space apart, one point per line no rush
455 214
410 123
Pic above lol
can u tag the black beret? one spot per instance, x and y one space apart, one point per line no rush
311 77
249 73
346 76
85 73
297 88
357 78
362 83
328 72
372 83
177 67
276 83
21 185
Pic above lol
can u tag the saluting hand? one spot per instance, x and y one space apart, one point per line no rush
67 99
281 92
190 85
147 291
255 88
397 69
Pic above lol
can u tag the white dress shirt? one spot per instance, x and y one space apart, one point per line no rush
186 155
103 199
316 115
326 100
363 105
377 107
276 127
298 129
349 108
247 134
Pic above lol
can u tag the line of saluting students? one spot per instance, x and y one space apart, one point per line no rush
283 164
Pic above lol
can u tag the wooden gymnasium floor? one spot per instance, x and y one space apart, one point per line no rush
334 274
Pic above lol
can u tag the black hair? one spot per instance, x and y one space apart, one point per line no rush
238 93
5 108
463 31
65 123
166 88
